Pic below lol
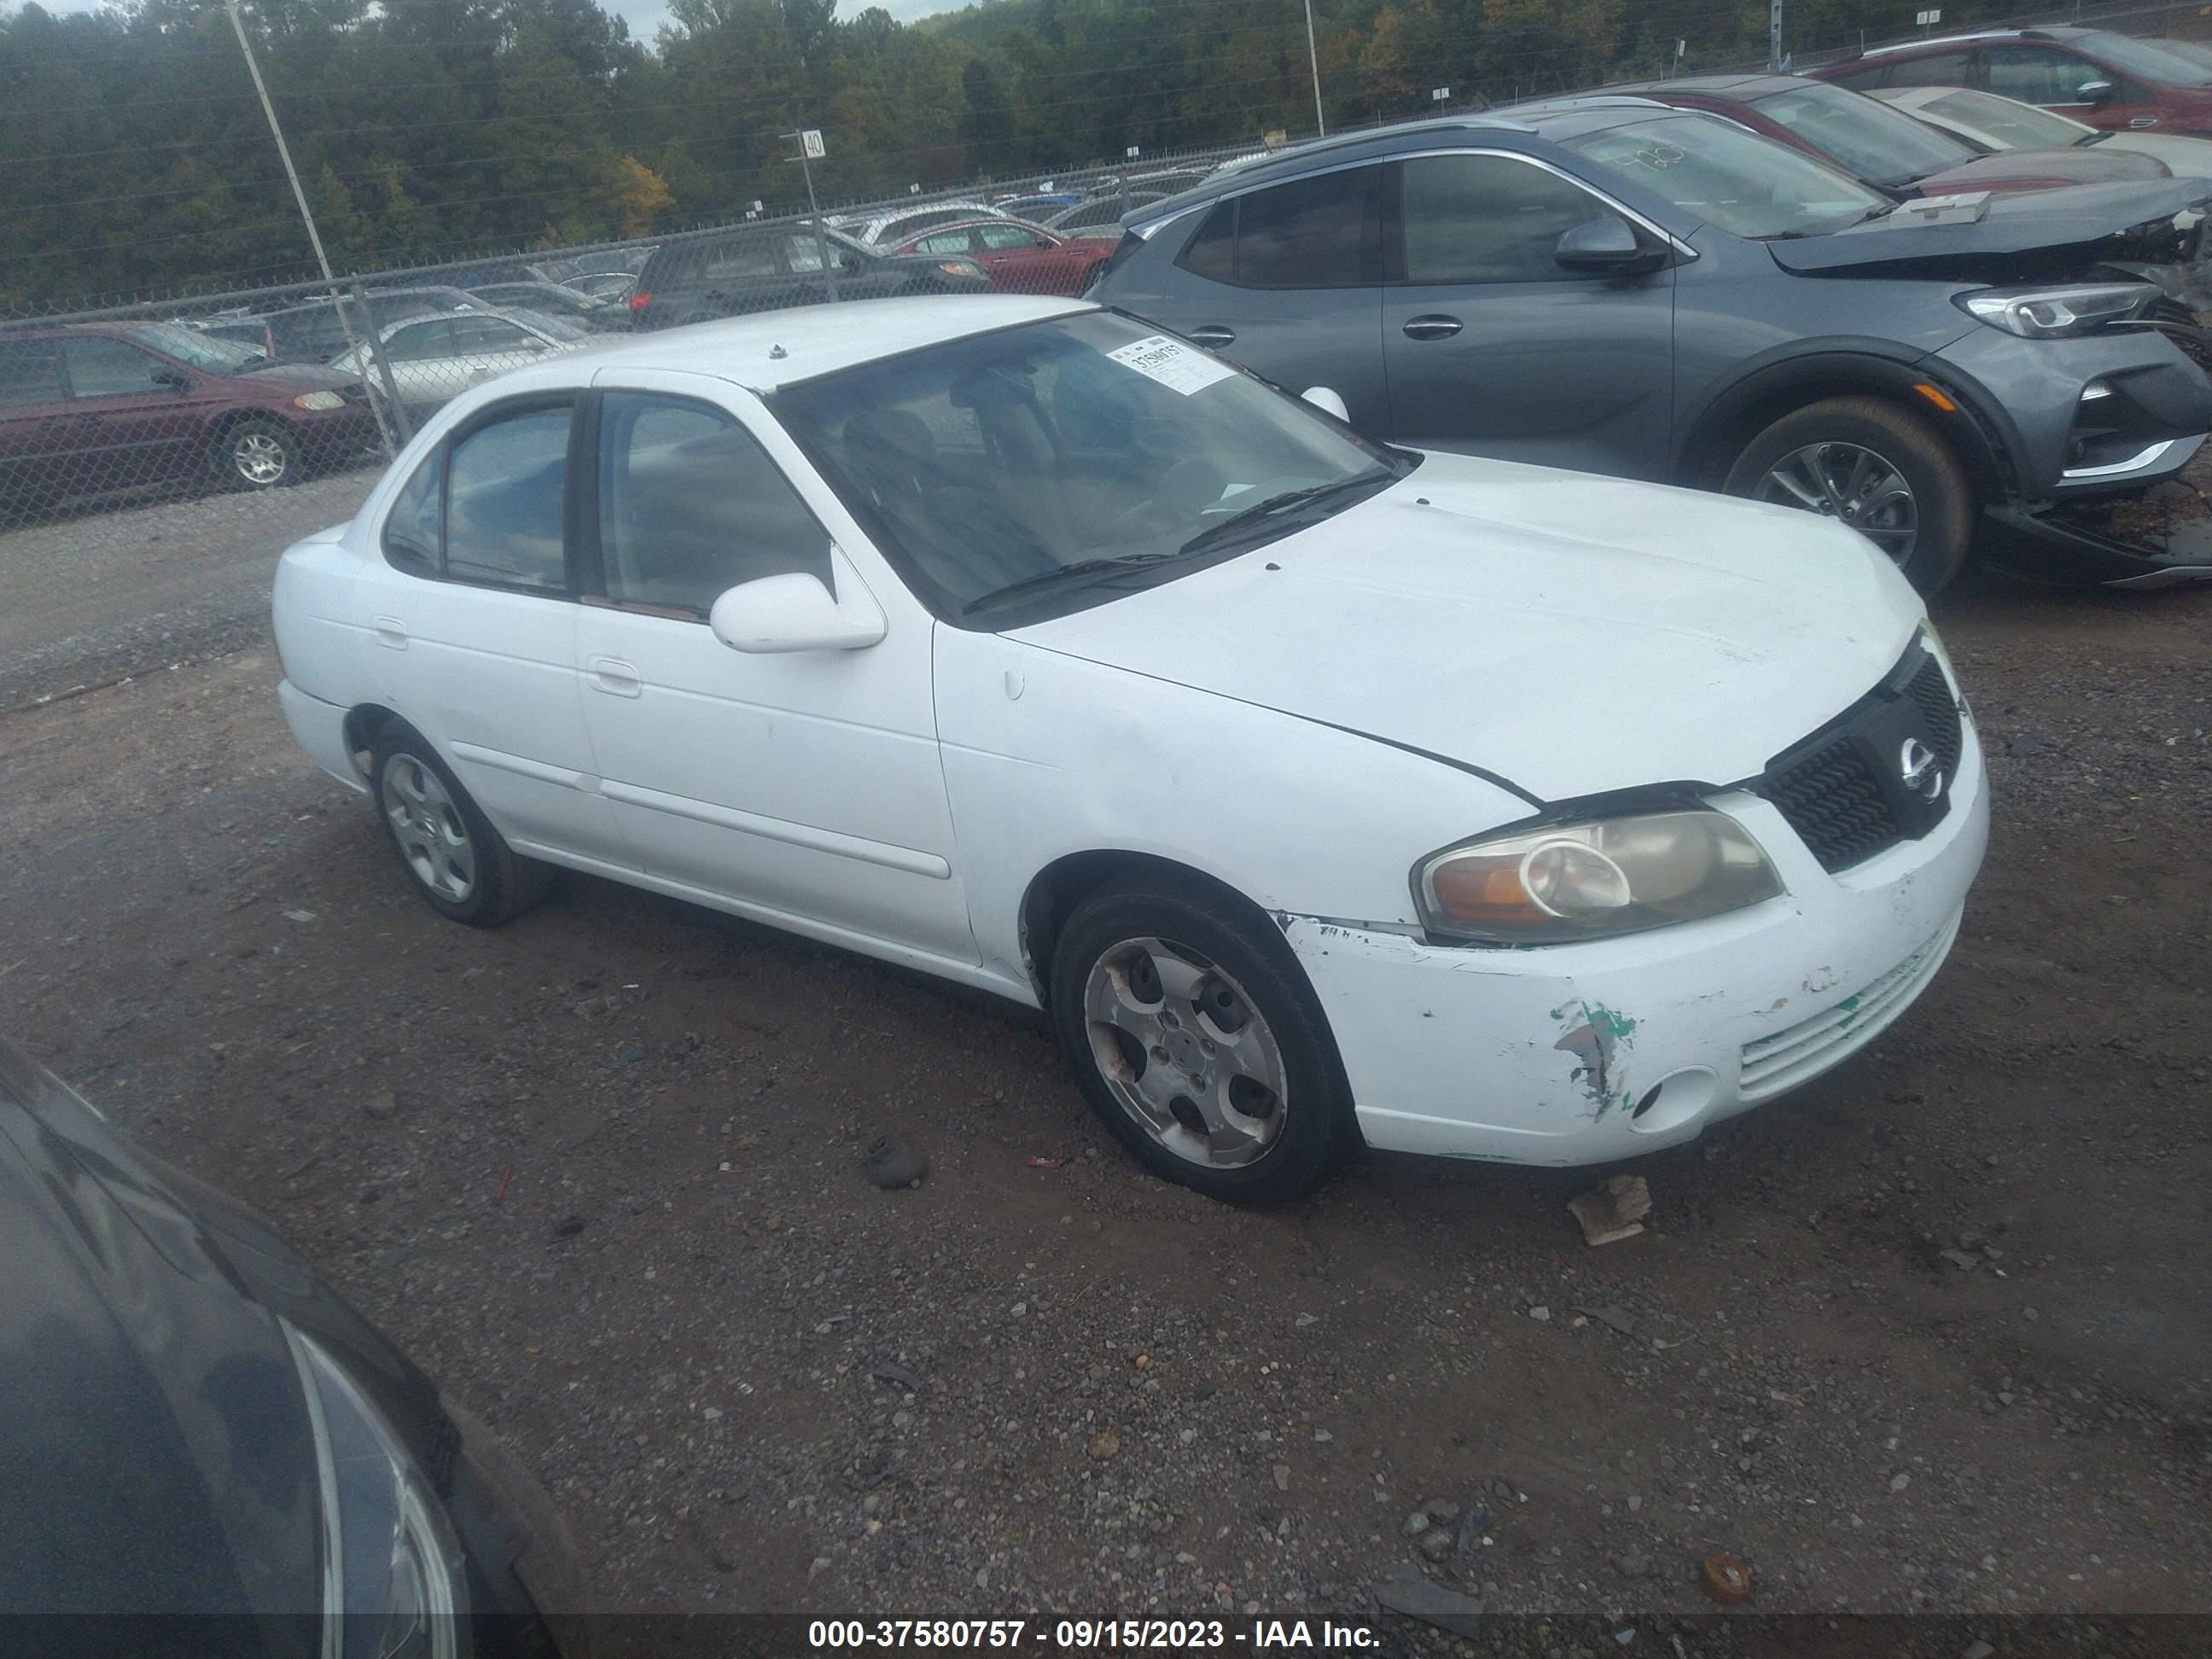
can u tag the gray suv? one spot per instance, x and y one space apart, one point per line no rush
1614 286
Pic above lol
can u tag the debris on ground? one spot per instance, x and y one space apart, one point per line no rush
1431 1603
1726 1579
892 1162
887 1370
569 1226
1105 1446
1612 1318
1037 1163
505 1176
1614 1211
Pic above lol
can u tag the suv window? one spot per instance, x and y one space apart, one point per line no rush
690 506
1320 232
1937 68
1489 219
2037 75
101 367
504 484
753 256
30 372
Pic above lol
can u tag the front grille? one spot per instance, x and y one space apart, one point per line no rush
1834 803
1830 789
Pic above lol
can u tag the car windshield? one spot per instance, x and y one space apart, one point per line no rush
202 351
2195 50
1746 185
1057 463
1881 145
2154 60
2010 125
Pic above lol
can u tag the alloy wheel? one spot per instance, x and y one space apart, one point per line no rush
1186 1053
258 457
433 837
1849 481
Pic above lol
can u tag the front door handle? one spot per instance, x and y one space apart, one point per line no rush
1434 327
1213 335
616 677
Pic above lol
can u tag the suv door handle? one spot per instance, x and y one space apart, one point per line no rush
1434 327
1213 334
616 677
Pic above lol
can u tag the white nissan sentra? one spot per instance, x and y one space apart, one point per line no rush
1325 793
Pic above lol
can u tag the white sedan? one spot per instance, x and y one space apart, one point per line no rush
1989 123
1325 793
438 357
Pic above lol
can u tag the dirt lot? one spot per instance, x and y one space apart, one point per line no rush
1932 1334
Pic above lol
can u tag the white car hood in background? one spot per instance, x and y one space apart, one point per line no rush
1571 634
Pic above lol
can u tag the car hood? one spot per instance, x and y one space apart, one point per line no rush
158 1451
1982 239
1569 634
294 377
2041 169
2190 158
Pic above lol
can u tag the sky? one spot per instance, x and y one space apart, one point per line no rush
644 17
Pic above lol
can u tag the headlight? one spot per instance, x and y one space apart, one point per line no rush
319 400
392 1576
1595 880
2049 314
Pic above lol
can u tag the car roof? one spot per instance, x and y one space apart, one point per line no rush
985 219
773 348
1738 88
2056 32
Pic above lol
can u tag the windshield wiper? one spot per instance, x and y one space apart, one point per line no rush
1881 212
1081 573
1274 507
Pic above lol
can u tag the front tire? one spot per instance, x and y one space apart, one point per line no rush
256 455
1877 467
1196 1036
462 866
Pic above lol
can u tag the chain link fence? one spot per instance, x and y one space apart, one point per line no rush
112 404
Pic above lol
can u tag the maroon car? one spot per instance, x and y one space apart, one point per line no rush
1017 257
2109 81
93 408
1882 145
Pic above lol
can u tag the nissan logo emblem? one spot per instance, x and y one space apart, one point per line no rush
1917 766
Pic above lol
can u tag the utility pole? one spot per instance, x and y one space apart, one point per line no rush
314 237
1774 36
810 151
1313 59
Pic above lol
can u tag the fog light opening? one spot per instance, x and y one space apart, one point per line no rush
1679 1098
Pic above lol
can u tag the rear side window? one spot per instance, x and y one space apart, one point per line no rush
1320 232
30 372
1489 219
490 507
690 506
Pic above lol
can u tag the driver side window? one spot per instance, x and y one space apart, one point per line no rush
2037 75
690 506
1488 219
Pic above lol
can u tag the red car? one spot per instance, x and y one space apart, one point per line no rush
93 407
2108 80
1882 145
1019 258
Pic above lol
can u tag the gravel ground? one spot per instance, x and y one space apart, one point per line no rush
1929 1336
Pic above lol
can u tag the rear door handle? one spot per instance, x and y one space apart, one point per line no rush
1214 334
616 677
1434 327
391 632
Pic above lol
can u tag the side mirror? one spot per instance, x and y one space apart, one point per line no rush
1603 246
1327 400
796 612
2096 92
171 378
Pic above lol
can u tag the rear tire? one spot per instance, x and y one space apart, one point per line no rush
1878 467
462 867
1197 1039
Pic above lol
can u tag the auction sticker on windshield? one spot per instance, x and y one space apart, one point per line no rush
1172 363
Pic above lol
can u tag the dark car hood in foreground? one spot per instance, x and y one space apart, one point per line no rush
157 1454
1987 244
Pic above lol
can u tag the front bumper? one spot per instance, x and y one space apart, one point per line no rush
1585 1053
2087 541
